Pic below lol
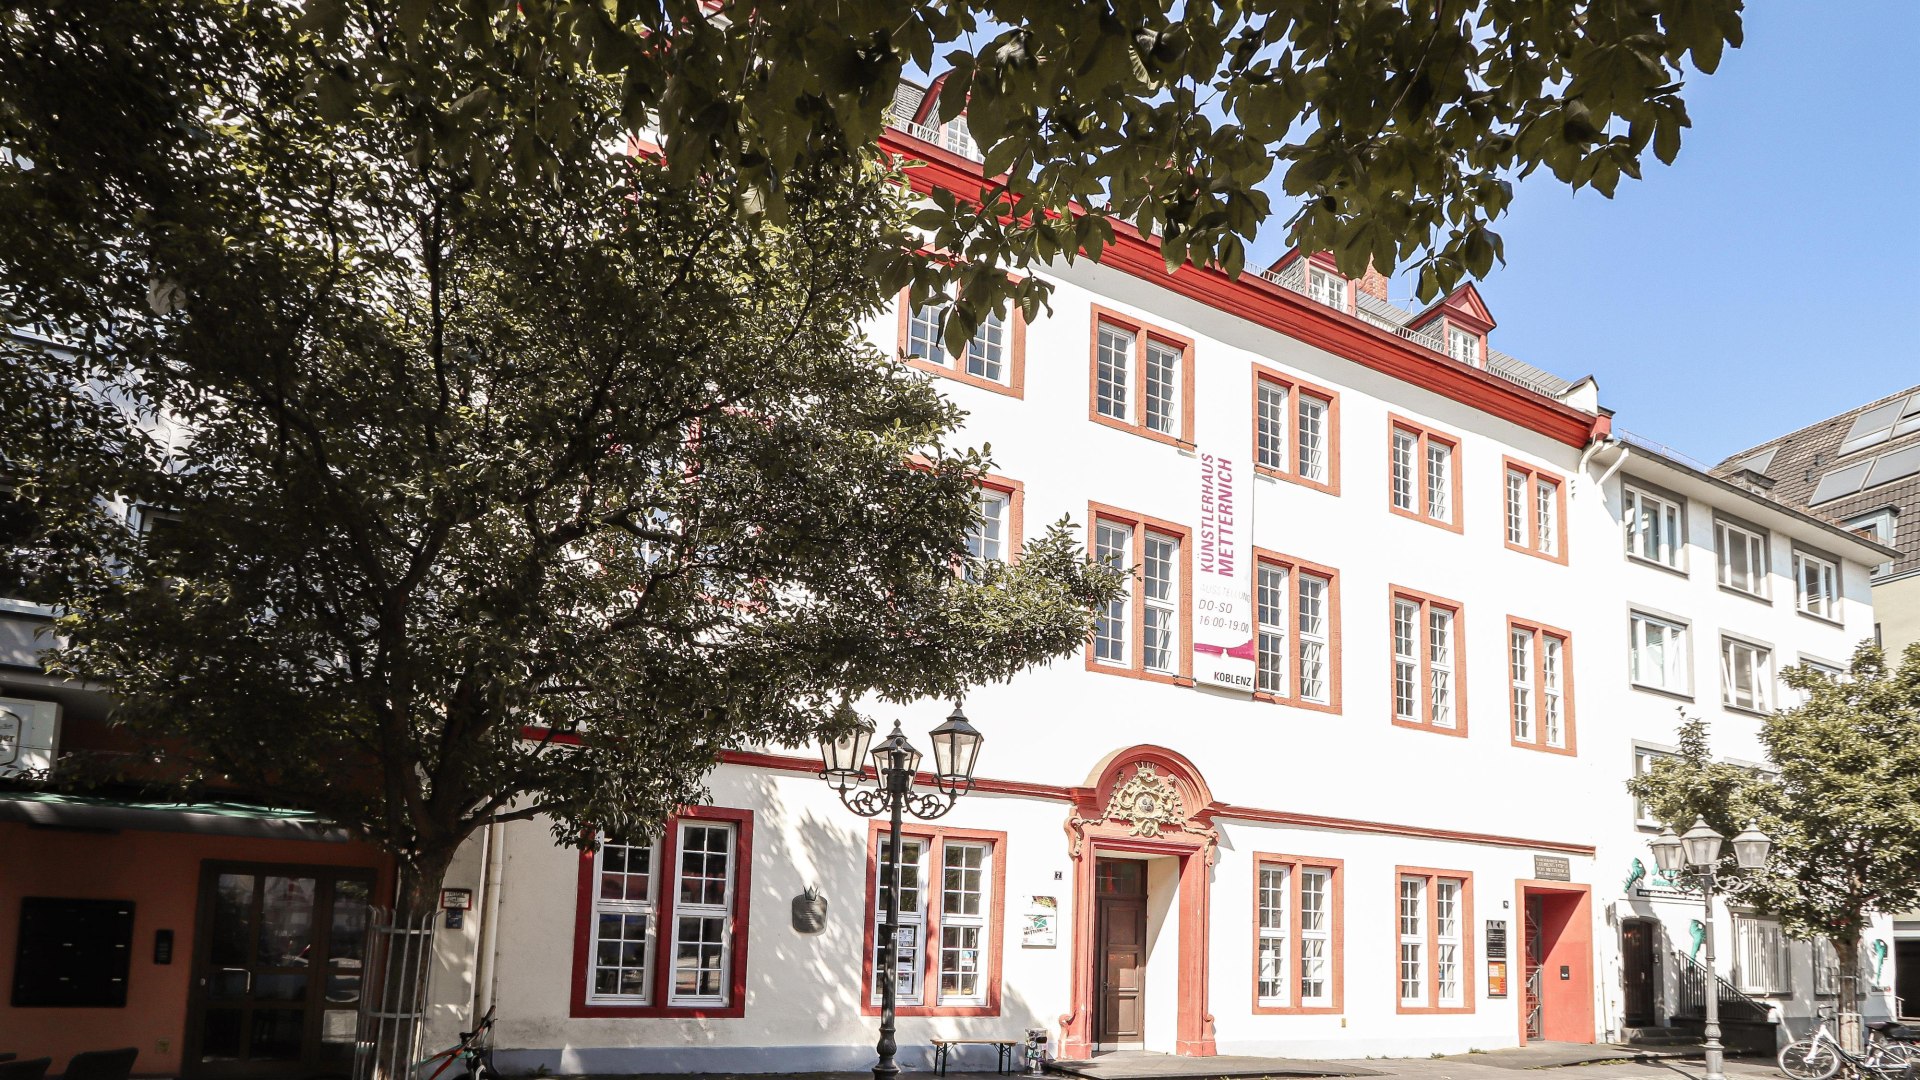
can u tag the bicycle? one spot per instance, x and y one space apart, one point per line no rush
475 1046
1819 1055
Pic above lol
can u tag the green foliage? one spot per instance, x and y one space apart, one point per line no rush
1396 129
1842 802
457 456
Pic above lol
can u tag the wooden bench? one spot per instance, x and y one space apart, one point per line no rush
1006 1048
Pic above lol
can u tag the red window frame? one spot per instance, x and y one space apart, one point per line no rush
1016 493
1534 475
1141 524
1423 509
1336 932
1142 331
955 366
1294 567
583 929
1540 631
935 837
1428 602
1468 973
1295 387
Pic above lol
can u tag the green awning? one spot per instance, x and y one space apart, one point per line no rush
204 818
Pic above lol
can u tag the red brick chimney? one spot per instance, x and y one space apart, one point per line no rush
1374 283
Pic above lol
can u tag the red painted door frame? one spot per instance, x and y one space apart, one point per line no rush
1567 935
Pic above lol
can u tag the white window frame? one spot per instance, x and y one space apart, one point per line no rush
987 536
1163 363
1520 682
1883 524
1113 626
979 921
1313 648
1272 447
705 912
1826 968
1729 535
1678 666
1313 416
1160 595
1327 287
1273 967
1448 952
989 352
1516 506
1463 345
1762 960
1405 453
1273 596
1316 963
910 962
1655 527
1113 371
646 906
1426 656
1823 600
1761 669
1411 920
1643 759
1443 654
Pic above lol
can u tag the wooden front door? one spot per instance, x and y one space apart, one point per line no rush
1636 971
1120 928
277 970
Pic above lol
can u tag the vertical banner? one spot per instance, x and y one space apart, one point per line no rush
1224 647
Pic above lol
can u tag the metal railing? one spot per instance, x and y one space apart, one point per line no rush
393 996
1662 449
1691 1000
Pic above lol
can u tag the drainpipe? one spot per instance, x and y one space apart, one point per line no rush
1625 452
485 977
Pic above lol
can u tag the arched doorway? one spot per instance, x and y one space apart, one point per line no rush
1142 838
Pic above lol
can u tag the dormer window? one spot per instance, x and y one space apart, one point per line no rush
954 136
1326 287
1463 345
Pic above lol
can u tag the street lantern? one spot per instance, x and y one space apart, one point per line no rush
1751 847
895 754
1668 855
1702 843
843 759
1699 852
956 747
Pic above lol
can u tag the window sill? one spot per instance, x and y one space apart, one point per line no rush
1330 707
682 1012
1758 598
1012 390
1136 673
1543 748
935 1010
25 607
1558 558
1296 1010
1430 1010
1330 486
1142 431
1824 620
1438 523
1458 731
1677 695
1747 710
1655 564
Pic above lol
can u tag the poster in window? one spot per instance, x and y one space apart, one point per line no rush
1038 931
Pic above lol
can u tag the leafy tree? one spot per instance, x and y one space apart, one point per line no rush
494 500
1842 803
1393 131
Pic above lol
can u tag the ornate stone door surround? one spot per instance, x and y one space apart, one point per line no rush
1151 800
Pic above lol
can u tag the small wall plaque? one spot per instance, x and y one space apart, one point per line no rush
1552 868
809 912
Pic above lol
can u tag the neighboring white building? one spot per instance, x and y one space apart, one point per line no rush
1354 827
1716 590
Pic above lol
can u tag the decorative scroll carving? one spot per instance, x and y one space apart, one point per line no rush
1148 803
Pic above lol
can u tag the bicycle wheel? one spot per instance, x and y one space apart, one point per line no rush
1903 1052
1809 1060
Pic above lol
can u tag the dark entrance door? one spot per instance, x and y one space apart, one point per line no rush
1636 971
1906 976
277 969
1120 929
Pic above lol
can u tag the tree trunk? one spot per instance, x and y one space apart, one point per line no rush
1847 949
403 983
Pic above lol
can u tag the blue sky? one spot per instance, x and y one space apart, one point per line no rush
1767 279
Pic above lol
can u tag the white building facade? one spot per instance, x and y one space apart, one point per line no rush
1342 777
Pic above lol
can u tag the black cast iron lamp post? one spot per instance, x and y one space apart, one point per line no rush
1698 852
956 748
